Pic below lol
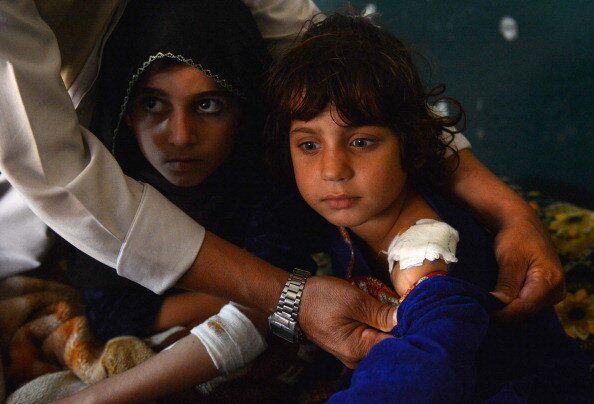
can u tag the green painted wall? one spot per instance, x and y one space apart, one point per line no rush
529 100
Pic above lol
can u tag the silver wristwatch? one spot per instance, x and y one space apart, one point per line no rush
283 322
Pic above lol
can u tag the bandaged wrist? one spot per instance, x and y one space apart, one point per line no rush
426 240
230 338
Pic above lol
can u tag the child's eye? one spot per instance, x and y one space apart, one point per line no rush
209 106
152 105
309 146
361 143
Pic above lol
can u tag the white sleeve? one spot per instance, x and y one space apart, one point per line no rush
280 21
68 178
459 142
25 239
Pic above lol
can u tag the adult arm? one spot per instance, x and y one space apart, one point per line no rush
73 183
334 314
530 274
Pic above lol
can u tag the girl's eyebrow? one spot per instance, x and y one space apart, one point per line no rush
145 90
214 93
303 129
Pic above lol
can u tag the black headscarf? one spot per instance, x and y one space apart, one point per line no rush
218 37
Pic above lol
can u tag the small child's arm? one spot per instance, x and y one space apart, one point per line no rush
188 362
427 246
170 371
441 325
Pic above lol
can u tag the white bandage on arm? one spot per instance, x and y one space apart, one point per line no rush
426 240
230 338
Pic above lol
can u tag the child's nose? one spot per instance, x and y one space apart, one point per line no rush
335 166
182 131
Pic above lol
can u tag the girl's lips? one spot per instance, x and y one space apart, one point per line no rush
182 165
340 201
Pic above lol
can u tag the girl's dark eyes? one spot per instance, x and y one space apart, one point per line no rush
209 106
361 143
309 146
152 104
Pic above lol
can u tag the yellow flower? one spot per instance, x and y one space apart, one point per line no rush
576 313
571 229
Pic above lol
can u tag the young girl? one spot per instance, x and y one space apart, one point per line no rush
367 154
181 108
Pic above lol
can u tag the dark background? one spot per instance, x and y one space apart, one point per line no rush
529 101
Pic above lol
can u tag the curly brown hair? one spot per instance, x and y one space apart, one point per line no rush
369 76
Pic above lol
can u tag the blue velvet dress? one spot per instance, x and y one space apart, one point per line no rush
445 348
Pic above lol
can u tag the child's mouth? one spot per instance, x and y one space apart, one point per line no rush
340 201
182 165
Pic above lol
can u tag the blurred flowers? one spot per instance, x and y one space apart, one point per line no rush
576 313
571 228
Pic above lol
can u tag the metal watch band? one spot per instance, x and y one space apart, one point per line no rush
283 322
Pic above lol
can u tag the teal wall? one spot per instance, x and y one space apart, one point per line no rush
530 101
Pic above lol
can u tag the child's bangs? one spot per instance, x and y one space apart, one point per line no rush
344 79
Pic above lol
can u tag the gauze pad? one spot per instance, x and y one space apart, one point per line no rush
427 239
230 338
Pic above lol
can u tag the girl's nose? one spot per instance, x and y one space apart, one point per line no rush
336 166
182 131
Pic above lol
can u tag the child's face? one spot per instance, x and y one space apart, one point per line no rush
350 175
184 123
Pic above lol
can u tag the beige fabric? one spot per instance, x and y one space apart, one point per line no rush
47 388
78 25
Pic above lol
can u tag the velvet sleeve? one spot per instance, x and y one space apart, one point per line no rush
114 306
441 325
285 232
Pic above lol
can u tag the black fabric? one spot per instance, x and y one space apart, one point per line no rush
238 202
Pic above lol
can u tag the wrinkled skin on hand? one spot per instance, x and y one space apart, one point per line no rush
343 320
530 274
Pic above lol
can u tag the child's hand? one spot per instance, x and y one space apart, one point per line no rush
530 274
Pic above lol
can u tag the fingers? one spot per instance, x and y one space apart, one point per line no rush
367 340
509 283
542 288
530 276
375 314
343 320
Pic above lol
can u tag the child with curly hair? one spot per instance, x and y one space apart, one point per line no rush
368 154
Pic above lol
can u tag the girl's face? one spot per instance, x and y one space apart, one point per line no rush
350 175
184 123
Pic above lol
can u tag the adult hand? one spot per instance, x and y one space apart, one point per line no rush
343 320
530 274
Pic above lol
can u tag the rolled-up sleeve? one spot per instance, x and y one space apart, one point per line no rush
66 175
